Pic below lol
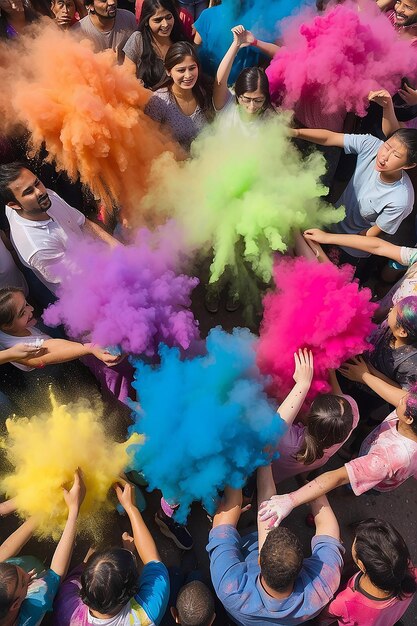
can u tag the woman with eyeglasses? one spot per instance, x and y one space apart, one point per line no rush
251 101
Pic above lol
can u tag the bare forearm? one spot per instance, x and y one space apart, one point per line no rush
58 351
62 556
270 49
373 245
324 518
97 231
266 489
13 544
334 383
230 508
220 90
292 404
144 543
320 486
320 136
389 120
7 507
389 391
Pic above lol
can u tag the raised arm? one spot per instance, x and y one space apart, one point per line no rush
266 490
324 518
229 509
389 120
334 383
320 136
15 542
220 89
265 47
144 543
74 499
303 375
358 370
373 245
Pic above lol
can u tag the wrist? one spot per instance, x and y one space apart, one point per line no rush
254 42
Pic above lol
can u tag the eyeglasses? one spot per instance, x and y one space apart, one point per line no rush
247 100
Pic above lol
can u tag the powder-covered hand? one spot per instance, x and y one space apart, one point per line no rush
304 367
276 508
75 496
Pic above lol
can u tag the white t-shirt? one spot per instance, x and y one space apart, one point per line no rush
10 274
8 341
229 117
41 245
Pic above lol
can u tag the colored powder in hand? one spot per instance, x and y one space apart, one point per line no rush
242 197
130 296
209 426
334 60
316 306
85 110
46 450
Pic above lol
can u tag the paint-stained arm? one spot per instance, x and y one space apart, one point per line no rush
303 375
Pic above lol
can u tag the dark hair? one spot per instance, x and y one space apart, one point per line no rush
9 172
408 136
109 580
202 93
149 59
195 604
385 557
407 318
281 558
7 307
329 421
250 79
411 407
8 582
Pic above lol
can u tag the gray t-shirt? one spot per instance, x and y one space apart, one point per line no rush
124 25
163 108
367 199
133 49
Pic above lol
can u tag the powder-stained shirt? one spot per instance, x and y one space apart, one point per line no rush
39 599
386 459
369 200
354 607
114 39
146 608
291 442
235 574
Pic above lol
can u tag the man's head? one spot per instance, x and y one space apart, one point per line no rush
22 191
195 605
14 582
104 9
281 559
64 11
405 12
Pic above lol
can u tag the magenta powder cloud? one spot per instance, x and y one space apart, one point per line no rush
131 296
316 306
337 58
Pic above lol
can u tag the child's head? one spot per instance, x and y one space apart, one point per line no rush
194 606
109 581
15 313
329 421
398 152
402 320
281 559
407 409
382 554
14 582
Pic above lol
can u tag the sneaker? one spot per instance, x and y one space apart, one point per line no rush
233 301
212 299
177 532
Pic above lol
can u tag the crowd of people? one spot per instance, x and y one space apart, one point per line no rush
369 420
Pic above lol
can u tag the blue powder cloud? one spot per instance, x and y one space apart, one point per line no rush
206 420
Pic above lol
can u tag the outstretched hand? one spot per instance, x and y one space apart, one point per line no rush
381 97
408 94
276 509
304 367
354 369
317 235
75 496
125 494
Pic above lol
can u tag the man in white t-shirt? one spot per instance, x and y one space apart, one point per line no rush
41 222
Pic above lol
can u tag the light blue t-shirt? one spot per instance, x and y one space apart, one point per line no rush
235 575
367 199
39 599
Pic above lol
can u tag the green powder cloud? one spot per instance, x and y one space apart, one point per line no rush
242 195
